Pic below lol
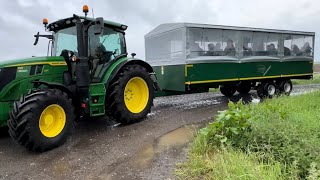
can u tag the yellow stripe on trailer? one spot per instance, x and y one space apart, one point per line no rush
55 63
262 77
291 75
252 78
210 81
186 69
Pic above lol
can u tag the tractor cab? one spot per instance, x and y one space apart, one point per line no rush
101 47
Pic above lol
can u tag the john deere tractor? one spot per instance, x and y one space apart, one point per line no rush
88 74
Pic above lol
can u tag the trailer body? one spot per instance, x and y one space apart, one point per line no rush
195 57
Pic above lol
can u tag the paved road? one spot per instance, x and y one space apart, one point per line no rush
99 149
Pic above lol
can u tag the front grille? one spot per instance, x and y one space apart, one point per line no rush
6 76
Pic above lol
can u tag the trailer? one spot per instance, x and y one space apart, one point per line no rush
188 57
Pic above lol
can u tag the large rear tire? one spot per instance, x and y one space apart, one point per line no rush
130 96
42 120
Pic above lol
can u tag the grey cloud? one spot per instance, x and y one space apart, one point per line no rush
143 15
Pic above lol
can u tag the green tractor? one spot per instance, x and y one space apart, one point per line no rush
87 75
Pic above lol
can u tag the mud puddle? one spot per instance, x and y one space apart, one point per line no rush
164 148
172 140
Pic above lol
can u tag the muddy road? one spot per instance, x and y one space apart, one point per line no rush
100 149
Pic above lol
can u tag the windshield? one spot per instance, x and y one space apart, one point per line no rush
65 39
107 45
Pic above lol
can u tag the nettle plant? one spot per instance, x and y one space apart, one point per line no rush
229 126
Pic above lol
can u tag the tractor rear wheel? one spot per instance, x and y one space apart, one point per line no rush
130 95
42 120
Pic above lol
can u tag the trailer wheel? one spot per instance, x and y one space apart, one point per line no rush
285 87
267 90
42 120
131 94
244 87
227 90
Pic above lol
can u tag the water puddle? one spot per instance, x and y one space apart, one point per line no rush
171 141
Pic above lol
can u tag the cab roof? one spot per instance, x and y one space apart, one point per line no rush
70 21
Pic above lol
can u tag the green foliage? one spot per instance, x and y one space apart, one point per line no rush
289 130
229 164
284 130
229 126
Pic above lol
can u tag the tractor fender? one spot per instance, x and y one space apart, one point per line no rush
55 86
131 61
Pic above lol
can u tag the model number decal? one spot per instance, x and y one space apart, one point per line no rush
22 70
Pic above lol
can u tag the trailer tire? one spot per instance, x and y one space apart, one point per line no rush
285 87
42 120
130 95
244 87
267 90
227 90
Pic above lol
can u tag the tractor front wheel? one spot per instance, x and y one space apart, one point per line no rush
42 120
130 96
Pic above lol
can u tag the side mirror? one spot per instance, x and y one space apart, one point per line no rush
99 25
37 38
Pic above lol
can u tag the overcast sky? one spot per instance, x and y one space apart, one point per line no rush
21 19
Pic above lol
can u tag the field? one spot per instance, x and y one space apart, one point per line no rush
316 68
315 80
276 139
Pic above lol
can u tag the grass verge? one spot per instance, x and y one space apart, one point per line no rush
228 164
276 139
315 80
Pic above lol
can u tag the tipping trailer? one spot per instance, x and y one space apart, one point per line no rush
191 57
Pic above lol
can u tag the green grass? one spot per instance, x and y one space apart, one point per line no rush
214 90
315 80
228 164
273 139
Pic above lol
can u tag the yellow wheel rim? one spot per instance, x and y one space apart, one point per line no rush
52 120
136 95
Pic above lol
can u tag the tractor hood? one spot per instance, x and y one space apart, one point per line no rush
33 61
